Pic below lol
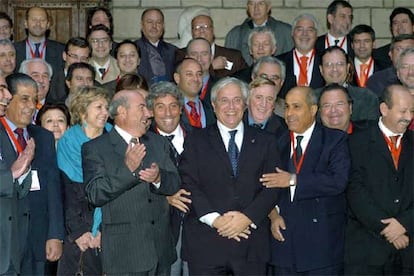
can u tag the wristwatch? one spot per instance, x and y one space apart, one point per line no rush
292 180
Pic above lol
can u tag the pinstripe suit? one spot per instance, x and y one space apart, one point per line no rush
136 233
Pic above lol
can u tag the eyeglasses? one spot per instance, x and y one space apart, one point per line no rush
406 67
305 30
74 56
99 40
270 77
201 27
338 105
226 101
331 65
4 28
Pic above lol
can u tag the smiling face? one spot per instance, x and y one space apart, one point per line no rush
7 59
55 121
335 111
190 78
152 25
334 67
37 23
341 21
299 114
363 46
101 44
229 105
5 96
258 10
304 35
40 73
96 114
22 106
261 46
261 102
167 113
127 59
134 117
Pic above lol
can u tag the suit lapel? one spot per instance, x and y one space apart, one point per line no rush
7 151
380 146
217 145
117 142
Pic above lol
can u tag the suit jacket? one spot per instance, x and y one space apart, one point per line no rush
53 56
378 66
381 54
315 220
290 80
232 55
136 233
365 104
110 75
207 173
58 90
382 79
14 217
46 208
320 45
237 37
376 191
208 111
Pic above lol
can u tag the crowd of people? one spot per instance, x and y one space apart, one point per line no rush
280 153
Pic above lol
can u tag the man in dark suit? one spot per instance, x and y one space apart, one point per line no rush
15 179
260 106
46 231
196 112
335 67
309 235
37 45
302 62
339 16
128 174
227 229
157 55
379 235
401 22
226 61
363 42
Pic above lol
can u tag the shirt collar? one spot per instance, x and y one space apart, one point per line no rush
387 132
125 135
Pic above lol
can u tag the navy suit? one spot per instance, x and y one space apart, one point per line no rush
290 80
320 45
46 208
206 172
14 217
315 219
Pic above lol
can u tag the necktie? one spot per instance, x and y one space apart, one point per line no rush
258 126
298 148
336 42
303 72
20 138
363 74
173 152
134 140
37 52
233 151
102 71
195 117
394 152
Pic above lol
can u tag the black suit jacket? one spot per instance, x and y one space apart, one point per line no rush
378 66
290 80
136 234
320 45
381 54
377 191
53 56
58 90
207 173
14 214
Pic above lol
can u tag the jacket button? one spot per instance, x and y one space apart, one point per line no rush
149 200
314 220
10 218
396 200
152 222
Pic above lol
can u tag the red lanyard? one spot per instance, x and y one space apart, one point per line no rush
204 91
366 73
41 52
298 166
11 135
303 69
340 44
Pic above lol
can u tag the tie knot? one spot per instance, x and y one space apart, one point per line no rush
394 139
134 140
170 137
336 42
102 70
363 67
191 104
19 131
259 126
304 59
299 139
232 133
37 45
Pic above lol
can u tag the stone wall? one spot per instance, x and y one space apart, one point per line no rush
227 13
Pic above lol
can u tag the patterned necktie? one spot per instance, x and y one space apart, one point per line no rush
394 151
20 138
195 117
303 72
233 151
363 74
298 148
258 126
102 71
37 52
173 152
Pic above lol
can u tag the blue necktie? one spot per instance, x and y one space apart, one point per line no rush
37 52
233 151
175 156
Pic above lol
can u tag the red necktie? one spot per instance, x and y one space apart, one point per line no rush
363 74
394 152
195 119
20 137
303 74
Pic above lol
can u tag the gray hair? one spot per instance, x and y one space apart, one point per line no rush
6 41
406 52
226 81
162 89
117 101
261 30
271 60
25 64
305 16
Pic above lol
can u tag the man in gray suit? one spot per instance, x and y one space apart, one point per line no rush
128 173
15 179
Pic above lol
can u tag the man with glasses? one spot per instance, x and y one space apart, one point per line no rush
6 26
259 16
302 62
77 49
335 68
7 57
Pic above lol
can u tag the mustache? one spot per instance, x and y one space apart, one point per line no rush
404 121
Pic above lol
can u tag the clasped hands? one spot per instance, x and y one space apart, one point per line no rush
134 155
233 225
394 232
87 240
